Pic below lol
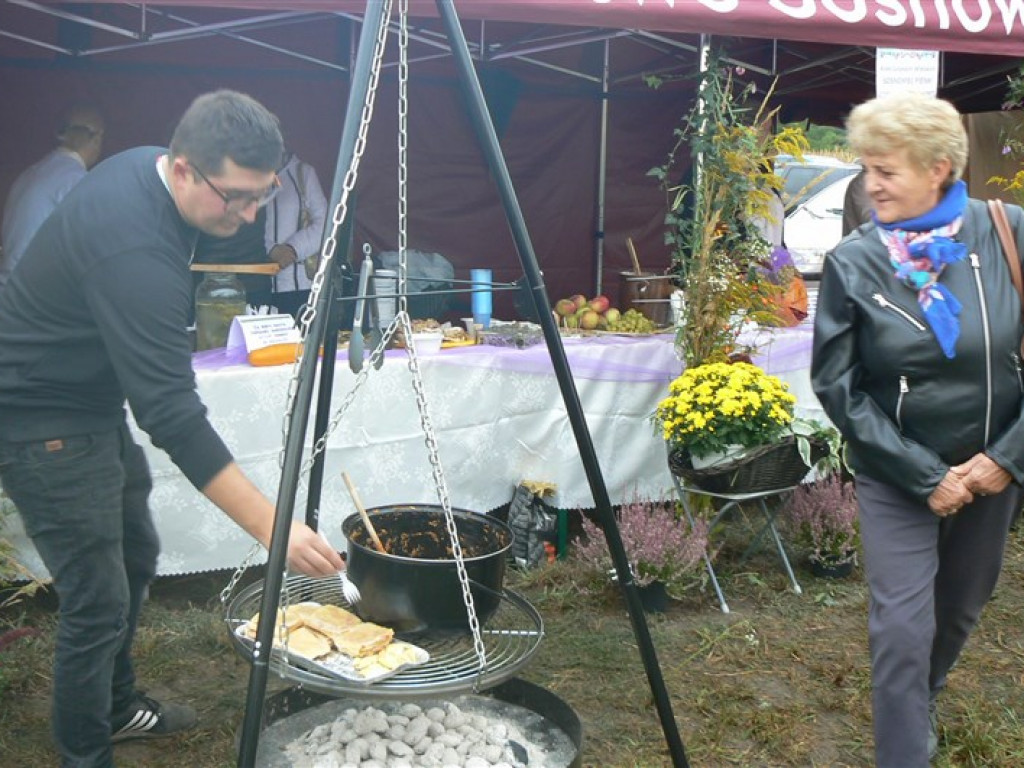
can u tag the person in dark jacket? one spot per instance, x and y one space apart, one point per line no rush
856 205
95 314
916 362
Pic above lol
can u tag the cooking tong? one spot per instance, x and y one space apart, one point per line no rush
365 297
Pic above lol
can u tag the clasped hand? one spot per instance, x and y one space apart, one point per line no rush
283 255
979 475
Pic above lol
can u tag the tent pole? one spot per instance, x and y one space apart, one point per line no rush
278 551
602 172
698 161
491 148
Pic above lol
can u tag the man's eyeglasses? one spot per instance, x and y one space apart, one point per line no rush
235 201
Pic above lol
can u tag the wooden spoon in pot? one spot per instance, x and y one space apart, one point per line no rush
362 513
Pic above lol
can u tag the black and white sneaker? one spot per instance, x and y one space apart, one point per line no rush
147 718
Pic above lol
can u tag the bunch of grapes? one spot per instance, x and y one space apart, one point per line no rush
632 321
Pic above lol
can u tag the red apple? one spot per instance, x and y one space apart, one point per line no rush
565 307
579 300
599 304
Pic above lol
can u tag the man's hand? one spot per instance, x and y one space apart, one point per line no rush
308 552
283 255
311 554
982 475
950 495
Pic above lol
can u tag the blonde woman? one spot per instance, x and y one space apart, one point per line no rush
916 361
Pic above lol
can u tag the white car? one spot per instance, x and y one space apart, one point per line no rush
815 226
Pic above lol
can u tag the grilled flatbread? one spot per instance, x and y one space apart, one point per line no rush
363 639
392 657
285 622
307 642
397 654
298 614
330 620
370 668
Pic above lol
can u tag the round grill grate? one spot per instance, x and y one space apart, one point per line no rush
510 637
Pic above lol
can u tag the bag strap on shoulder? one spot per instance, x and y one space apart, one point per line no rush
1002 224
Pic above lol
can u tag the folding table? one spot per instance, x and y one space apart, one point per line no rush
732 501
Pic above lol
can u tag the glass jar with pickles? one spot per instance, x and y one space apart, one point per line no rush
219 298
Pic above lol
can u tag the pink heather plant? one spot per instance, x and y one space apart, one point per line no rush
823 516
660 545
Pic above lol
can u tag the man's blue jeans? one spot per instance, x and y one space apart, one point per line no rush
83 500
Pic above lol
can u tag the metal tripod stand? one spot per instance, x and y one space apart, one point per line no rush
373 22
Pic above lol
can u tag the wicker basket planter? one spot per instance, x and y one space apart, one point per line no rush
767 468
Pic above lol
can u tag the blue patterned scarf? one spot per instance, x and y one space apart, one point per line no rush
920 249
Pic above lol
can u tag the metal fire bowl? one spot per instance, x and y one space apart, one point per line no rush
511 637
541 715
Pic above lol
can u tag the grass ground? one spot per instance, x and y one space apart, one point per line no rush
782 680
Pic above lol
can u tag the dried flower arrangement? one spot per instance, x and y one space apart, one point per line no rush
659 542
715 250
1013 138
823 518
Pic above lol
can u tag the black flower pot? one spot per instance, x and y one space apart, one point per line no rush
832 567
653 597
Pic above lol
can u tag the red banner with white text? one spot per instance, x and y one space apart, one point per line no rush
975 26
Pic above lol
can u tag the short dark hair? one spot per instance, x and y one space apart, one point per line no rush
227 124
78 125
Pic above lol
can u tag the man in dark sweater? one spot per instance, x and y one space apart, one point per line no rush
95 315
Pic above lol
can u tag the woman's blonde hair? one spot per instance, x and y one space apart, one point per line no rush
929 129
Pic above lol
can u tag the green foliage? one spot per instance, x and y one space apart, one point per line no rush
806 430
823 139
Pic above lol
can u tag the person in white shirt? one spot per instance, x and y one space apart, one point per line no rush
36 192
294 233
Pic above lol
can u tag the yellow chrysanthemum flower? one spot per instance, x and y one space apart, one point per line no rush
715 404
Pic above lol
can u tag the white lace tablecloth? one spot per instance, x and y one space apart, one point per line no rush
498 415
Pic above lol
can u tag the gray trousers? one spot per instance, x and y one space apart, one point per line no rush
929 578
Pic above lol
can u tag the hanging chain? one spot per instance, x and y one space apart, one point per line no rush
401 319
403 155
414 367
247 561
441 486
326 257
340 212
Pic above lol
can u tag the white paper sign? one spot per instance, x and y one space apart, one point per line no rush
257 331
898 70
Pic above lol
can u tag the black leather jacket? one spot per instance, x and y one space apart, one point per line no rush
907 412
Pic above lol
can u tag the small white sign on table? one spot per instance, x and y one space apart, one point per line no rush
899 70
251 332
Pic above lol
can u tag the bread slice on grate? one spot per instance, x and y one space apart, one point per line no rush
363 639
331 620
307 642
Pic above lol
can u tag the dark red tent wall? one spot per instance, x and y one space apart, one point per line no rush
549 122
550 136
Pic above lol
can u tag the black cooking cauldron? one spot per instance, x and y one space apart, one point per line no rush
415 585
